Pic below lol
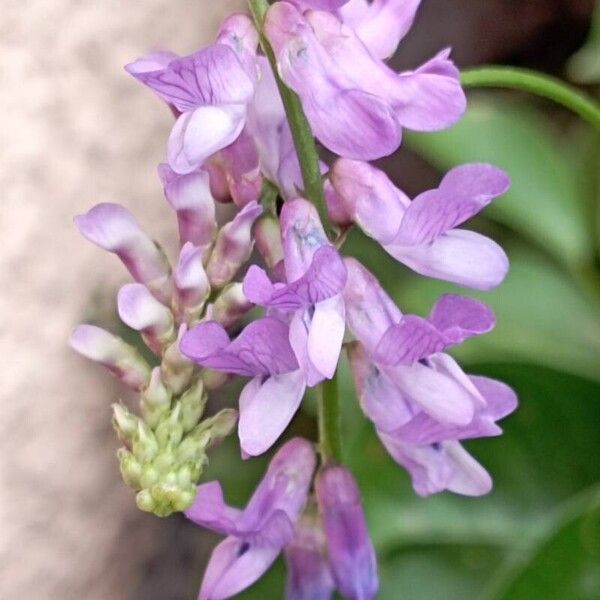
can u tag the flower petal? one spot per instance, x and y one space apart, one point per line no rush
211 76
202 132
326 334
463 257
235 565
500 398
262 348
462 193
459 318
266 409
382 24
209 509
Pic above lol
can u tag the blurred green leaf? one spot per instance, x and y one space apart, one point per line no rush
542 317
584 66
545 202
565 566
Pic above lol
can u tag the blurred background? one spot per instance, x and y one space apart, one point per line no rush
76 130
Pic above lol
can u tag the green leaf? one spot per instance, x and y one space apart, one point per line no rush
542 317
565 565
545 202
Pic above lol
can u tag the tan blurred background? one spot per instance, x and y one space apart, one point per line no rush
76 130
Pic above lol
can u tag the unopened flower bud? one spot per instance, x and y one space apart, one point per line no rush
149 475
123 360
124 422
145 446
145 501
170 431
192 405
131 470
213 380
191 198
156 399
351 553
114 228
220 425
176 369
230 306
267 235
233 246
139 309
191 282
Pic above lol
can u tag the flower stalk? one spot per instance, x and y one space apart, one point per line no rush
536 83
330 438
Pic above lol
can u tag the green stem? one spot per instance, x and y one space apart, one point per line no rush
330 439
536 83
301 132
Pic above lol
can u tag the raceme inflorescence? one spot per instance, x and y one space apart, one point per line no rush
247 112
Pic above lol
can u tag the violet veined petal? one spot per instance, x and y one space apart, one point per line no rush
500 398
351 553
191 198
370 312
302 234
285 485
209 509
369 198
211 76
460 318
379 398
262 348
239 33
326 334
413 339
318 4
150 63
463 192
382 24
202 132
308 574
113 228
324 279
430 98
463 257
266 409
235 565
438 394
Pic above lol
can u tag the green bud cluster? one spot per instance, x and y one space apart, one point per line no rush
165 451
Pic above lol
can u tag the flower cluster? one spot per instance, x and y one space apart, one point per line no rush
232 151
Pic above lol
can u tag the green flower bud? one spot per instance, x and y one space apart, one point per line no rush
156 399
150 475
170 431
230 306
145 445
192 405
212 379
145 501
267 235
221 425
131 470
124 422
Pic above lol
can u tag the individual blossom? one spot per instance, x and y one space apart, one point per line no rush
263 352
315 277
257 534
326 64
115 229
423 233
210 90
420 400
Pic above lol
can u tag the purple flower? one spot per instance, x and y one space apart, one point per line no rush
190 197
210 89
351 554
422 234
315 275
261 351
419 399
258 533
114 228
191 282
380 24
326 64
